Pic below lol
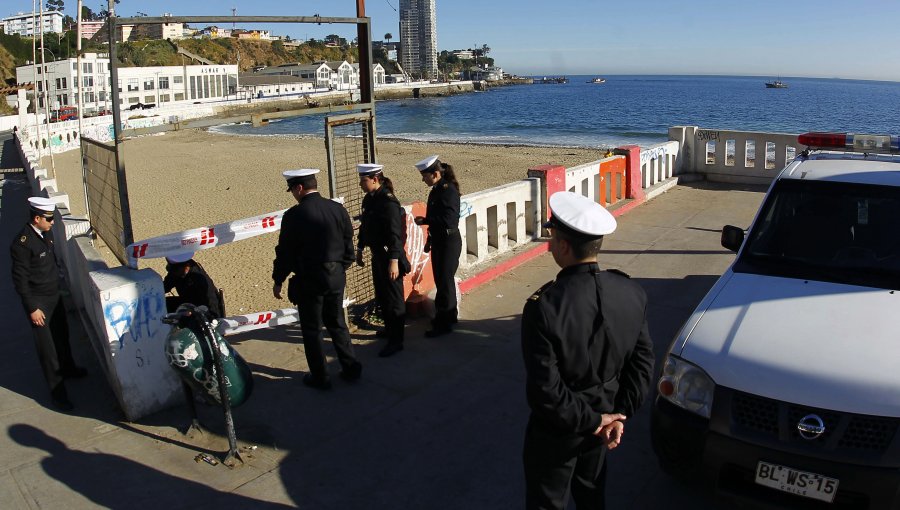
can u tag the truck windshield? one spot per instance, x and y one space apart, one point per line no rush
829 231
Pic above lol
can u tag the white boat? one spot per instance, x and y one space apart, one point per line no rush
598 80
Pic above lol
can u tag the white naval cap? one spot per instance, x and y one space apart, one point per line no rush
180 258
580 215
45 205
426 164
369 168
291 175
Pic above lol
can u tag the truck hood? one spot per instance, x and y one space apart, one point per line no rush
812 343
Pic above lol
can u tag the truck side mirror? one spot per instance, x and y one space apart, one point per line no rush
732 237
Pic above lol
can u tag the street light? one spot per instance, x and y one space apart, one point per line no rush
49 100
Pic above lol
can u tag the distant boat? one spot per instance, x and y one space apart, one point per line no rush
777 84
552 79
598 80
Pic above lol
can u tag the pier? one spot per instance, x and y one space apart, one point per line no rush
440 426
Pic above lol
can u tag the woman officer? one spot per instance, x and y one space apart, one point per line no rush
444 241
383 230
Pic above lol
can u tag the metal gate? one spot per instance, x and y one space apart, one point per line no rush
350 140
106 195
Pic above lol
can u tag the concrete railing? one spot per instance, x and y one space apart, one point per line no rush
659 163
120 308
494 221
603 181
734 156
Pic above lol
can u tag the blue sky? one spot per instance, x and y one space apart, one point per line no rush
596 37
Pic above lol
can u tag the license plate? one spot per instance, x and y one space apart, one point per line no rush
801 483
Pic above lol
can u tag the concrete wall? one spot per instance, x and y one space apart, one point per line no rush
121 309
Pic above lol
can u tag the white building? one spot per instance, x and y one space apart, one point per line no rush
319 73
418 38
378 75
28 25
57 83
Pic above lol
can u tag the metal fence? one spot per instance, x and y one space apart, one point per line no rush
105 189
350 140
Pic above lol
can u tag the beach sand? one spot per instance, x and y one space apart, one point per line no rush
190 179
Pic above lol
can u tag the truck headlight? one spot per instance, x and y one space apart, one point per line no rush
687 386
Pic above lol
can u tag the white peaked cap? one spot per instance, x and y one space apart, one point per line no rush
580 214
369 168
302 172
179 258
42 204
426 163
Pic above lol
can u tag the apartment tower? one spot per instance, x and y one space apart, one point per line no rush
418 38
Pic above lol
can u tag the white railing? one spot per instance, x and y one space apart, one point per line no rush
735 156
585 179
496 220
658 163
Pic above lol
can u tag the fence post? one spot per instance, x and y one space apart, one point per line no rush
633 188
553 179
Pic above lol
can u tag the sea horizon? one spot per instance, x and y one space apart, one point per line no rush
626 109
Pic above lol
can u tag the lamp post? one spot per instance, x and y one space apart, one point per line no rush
47 96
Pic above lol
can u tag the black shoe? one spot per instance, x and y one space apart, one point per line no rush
436 331
60 399
73 373
351 373
381 333
390 349
319 384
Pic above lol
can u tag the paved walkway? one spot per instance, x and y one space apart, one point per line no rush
439 426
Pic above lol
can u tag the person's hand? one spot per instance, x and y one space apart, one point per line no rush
359 259
276 290
394 269
420 220
611 428
427 247
37 318
612 434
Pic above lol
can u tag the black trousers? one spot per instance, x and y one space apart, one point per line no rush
555 464
52 340
445 251
324 308
389 296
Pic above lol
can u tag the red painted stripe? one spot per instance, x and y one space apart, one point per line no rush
493 272
490 273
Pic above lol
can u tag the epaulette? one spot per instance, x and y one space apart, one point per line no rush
620 273
23 239
537 293
446 185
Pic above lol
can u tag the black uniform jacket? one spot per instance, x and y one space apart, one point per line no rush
442 211
587 349
382 227
34 269
196 287
315 232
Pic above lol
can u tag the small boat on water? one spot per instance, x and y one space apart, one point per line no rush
777 84
598 80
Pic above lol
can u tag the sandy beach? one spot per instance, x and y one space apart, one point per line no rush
190 179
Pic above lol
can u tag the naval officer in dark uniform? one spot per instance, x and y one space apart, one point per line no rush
444 241
383 230
588 361
36 277
316 244
194 285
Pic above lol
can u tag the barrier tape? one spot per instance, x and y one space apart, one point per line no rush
197 239
259 320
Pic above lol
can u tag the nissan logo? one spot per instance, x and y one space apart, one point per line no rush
811 427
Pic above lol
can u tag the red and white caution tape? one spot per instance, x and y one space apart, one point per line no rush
197 239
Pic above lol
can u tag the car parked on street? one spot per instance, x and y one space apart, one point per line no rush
783 387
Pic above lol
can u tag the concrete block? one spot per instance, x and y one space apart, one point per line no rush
132 336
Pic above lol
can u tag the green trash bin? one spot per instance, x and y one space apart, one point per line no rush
189 354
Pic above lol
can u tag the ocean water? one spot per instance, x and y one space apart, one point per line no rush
625 109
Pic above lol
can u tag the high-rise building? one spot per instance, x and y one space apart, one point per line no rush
418 38
29 24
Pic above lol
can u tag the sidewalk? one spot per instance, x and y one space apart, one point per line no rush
438 426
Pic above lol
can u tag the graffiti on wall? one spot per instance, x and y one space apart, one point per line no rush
134 320
706 135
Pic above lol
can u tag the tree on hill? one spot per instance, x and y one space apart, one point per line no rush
56 5
388 36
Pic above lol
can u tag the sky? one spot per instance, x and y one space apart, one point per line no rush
784 38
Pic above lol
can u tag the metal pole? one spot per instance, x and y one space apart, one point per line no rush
34 69
127 232
84 180
46 103
219 369
364 40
